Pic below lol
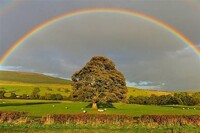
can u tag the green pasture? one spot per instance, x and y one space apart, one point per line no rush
38 108
20 88
141 92
28 77
27 88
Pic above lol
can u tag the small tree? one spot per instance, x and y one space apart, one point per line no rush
59 97
12 95
98 82
24 96
35 93
2 92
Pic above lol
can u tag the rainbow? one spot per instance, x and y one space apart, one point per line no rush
106 10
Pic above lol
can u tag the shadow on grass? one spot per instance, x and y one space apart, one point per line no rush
102 105
24 104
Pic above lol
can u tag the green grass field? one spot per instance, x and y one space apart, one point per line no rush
27 88
24 82
38 108
20 88
29 77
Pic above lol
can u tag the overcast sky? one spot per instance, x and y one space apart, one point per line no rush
148 55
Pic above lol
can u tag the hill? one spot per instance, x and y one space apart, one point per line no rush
28 77
24 82
143 92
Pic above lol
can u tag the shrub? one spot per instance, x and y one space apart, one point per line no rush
13 117
49 96
178 98
67 90
121 120
25 96
92 119
12 95
59 97
2 92
49 89
35 93
170 120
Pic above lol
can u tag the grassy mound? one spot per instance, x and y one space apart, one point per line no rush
28 77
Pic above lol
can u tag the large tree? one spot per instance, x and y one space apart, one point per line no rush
99 82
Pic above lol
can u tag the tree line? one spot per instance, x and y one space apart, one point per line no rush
100 82
182 98
34 95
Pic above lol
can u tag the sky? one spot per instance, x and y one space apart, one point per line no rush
148 55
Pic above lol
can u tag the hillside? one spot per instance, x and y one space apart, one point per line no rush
143 92
28 77
24 82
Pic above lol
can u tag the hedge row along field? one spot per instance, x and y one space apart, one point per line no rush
13 117
91 119
121 120
98 121
102 119
170 120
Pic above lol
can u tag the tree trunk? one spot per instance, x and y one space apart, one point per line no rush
94 106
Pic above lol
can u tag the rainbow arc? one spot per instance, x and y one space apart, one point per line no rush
96 10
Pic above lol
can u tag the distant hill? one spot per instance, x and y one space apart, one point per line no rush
31 80
143 92
29 77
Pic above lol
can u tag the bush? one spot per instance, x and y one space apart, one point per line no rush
185 99
35 93
67 90
93 119
178 98
25 96
2 92
121 120
12 95
59 97
170 120
49 96
13 117
49 89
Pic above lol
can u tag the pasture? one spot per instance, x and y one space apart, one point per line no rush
38 108
20 88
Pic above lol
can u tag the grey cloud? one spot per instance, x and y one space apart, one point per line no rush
141 50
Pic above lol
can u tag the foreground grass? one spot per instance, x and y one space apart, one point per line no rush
38 108
90 128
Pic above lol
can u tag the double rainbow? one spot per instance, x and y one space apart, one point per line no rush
110 10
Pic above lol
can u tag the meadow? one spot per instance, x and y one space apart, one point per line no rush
24 83
38 108
20 88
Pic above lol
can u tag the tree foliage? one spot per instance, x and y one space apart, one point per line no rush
178 98
99 81
2 92
35 93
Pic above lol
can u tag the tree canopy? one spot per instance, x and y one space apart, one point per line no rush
99 81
